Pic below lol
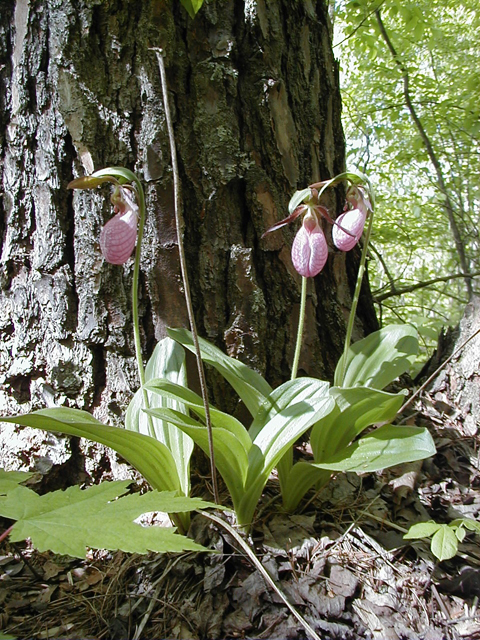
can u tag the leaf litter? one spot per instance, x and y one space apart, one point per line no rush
342 563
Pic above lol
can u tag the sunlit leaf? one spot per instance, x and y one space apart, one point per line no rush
250 385
67 522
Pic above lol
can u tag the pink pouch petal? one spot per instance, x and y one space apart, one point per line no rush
118 237
352 221
309 251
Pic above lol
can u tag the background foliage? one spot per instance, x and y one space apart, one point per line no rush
428 54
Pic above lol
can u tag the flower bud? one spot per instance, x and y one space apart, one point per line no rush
119 235
348 229
309 248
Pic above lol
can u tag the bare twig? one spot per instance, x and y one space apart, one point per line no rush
183 266
421 285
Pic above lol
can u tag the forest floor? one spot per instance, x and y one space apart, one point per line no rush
341 561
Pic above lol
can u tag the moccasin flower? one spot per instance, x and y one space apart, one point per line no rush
119 235
309 248
348 227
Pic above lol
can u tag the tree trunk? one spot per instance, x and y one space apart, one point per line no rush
255 97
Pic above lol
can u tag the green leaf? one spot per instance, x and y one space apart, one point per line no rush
355 409
167 362
150 457
297 198
468 523
422 530
193 401
192 6
67 522
385 447
285 415
231 457
460 533
358 408
380 358
444 543
10 479
250 386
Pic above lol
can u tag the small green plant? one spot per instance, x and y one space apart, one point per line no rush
444 537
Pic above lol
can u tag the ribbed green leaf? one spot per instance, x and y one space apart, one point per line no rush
167 362
358 408
385 447
150 457
194 402
231 457
250 386
380 358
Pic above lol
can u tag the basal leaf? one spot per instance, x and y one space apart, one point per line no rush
231 457
291 409
358 408
67 522
167 362
150 457
250 386
385 447
194 402
380 358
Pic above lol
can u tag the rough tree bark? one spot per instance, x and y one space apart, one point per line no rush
254 87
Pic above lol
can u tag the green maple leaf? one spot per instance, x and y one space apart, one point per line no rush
10 479
67 522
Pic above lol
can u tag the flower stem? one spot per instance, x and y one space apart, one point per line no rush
301 324
356 296
136 322
183 268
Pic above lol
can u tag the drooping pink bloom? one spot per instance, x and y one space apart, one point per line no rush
348 229
119 235
309 248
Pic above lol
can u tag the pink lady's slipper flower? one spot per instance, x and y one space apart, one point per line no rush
348 227
119 235
309 248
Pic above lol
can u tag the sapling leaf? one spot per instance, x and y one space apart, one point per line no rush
10 479
422 530
460 533
380 358
444 544
67 522
167 362
468 523
385 447
250 385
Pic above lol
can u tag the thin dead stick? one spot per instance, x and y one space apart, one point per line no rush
183 266
259 566
437 371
